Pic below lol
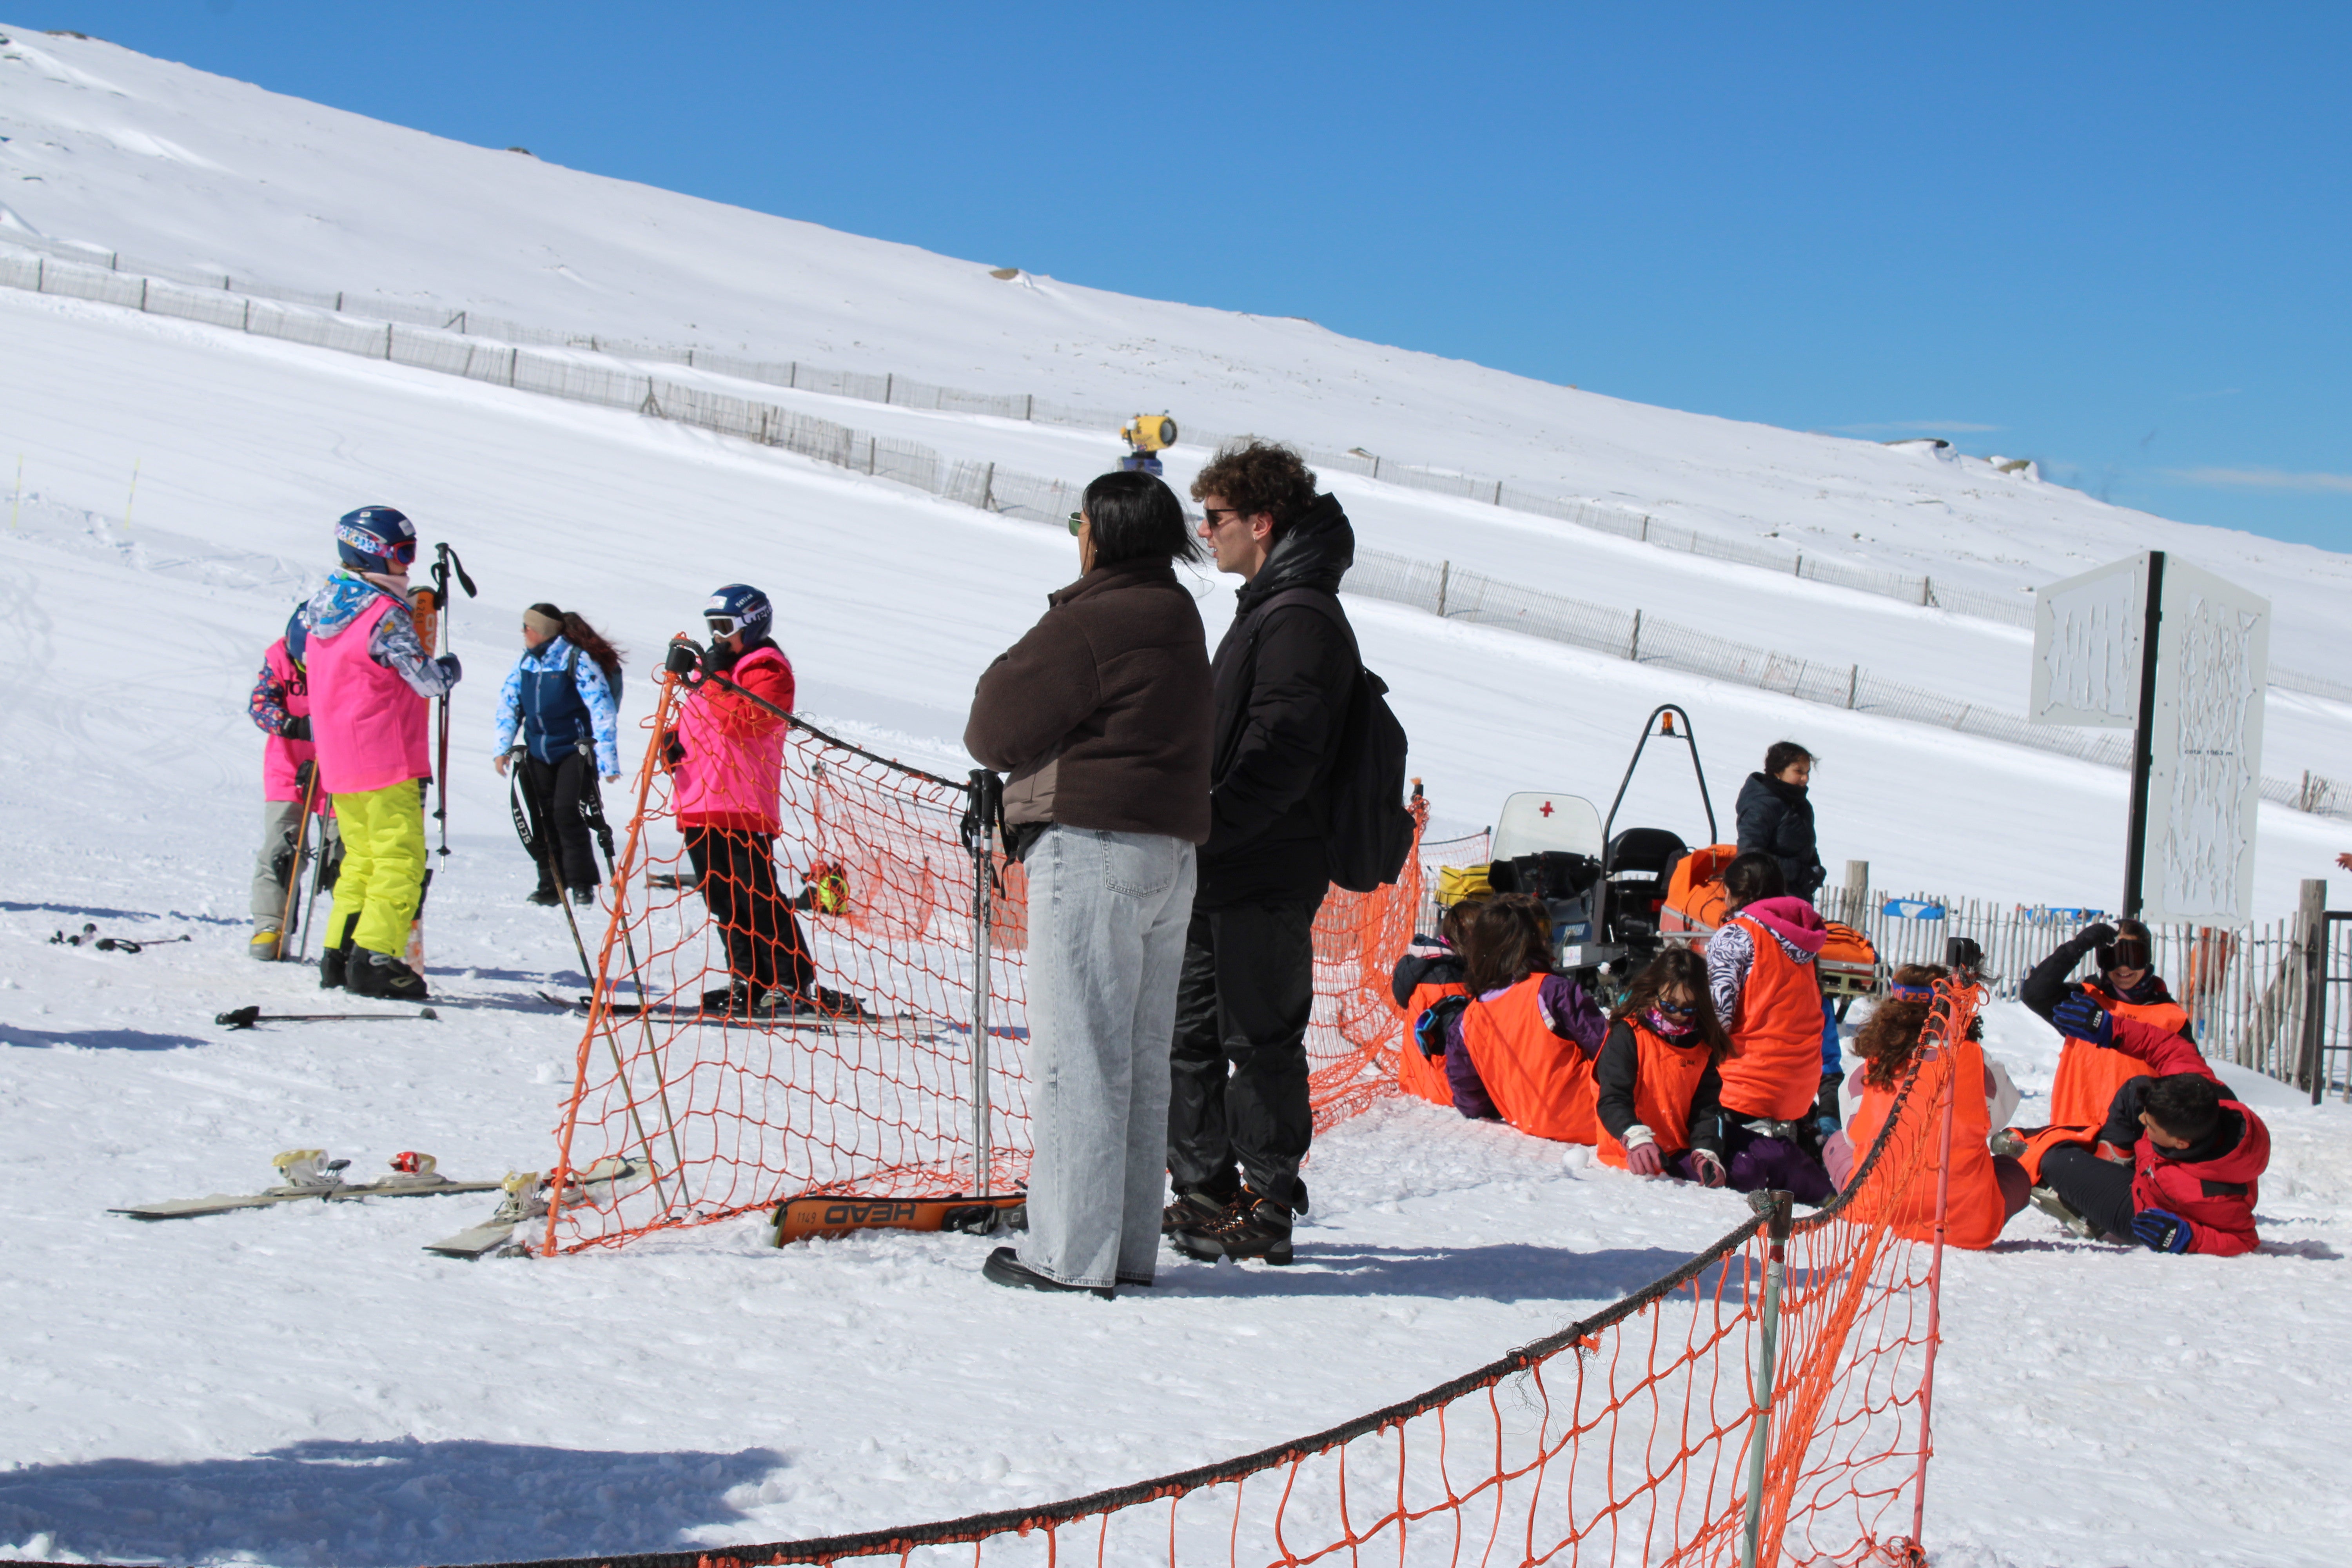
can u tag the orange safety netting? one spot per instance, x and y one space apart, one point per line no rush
868 914
1634 1436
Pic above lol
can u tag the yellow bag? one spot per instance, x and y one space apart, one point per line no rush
1459 884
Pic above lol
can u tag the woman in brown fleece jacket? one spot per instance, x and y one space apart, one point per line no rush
1100 716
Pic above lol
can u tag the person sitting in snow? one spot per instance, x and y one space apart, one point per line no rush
2126 985
2176 1164
1984 1189
1760 973
1659 1085
1519 1043
1430 971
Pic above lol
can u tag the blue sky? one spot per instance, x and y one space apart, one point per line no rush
2115 239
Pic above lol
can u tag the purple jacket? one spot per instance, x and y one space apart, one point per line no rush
1573 1016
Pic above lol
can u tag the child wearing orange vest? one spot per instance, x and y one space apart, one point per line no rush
1985 1189
1430 971
1657 1078
1759 971
1519 1043
2126 986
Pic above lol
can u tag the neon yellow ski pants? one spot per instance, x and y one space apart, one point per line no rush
383 879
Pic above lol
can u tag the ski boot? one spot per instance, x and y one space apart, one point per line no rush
310 1170
264 947
381 974
335 961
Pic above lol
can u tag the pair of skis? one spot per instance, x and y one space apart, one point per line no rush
308 1174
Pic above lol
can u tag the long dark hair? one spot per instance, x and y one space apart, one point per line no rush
588 640
1677 966
1891 1033
1507 940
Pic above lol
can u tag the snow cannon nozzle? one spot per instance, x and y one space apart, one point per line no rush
240 1018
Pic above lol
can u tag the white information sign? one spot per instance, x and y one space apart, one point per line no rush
2086 654
2204 788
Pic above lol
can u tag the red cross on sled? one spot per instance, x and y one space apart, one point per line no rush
1544 809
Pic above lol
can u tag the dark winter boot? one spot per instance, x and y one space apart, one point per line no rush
1257 1227
1194 1208
732 1000
381 974
334 964
544 896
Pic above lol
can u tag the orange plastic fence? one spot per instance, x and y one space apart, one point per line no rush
864 911
1623 1437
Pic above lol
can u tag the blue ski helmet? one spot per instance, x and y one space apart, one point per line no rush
297 636
739 606
371 538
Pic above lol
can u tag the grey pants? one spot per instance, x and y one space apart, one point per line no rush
1106 919
275 863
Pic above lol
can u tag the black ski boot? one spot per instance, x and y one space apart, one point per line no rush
1257 1227
545 897
334 964
381 974
732 1000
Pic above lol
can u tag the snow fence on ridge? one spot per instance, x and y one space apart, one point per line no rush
316 319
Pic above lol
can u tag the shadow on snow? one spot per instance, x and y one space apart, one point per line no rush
356 1505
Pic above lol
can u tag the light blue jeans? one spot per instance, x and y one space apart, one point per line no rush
1106 917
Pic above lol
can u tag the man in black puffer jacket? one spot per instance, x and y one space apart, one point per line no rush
1238 1121
1776 817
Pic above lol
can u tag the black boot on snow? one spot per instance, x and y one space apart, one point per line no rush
334 964
1194 1208
546 898
381 974
1257 1227
732 1000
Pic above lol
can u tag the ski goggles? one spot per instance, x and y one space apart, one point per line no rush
405 552
726 626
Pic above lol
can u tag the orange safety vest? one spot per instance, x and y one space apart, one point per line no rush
1666 1077
1542 1084
1775 1066
1418 1074
2089 1075
1902 1188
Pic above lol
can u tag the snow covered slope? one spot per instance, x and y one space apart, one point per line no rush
131 153
306 1386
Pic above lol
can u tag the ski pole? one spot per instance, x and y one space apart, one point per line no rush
294 867
247 1018
444 560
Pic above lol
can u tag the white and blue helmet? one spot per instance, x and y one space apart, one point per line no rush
371 538
739 606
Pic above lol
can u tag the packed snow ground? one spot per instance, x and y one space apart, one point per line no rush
304 1385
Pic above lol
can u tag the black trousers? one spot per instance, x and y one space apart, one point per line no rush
1237 1069
736 872
2099 1190
552 791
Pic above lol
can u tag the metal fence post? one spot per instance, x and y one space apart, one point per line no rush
987 803
2311 930
1775 1208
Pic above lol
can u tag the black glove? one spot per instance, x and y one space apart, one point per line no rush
2099 933
685 659
295 728
302 777
673 750
2079 1017
2160 1231
450 668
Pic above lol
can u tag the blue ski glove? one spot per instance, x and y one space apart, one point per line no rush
2080 1018
450 668
1429 1030
2161 1232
